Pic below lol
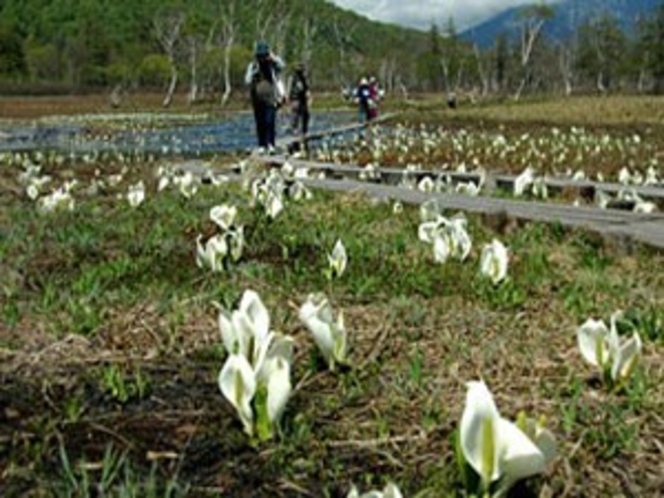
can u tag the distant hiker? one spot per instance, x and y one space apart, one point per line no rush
363 100
267 93
452 100
299 94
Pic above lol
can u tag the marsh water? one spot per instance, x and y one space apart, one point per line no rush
233 132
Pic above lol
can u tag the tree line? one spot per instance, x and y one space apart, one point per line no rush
202 48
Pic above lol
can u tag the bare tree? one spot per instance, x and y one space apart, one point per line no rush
309 30
452 60
342 38
228 33
602 49
262 18
566 65
193 42
387 73
272 19
167 25
280 26
533 19
482 69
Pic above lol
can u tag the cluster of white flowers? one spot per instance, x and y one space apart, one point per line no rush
602 347
224 247
449 238
255 378
272 190
60 198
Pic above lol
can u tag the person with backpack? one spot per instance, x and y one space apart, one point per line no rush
363 100
299 94
266 92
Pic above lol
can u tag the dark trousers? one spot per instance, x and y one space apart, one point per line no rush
266 122
364 112
300 114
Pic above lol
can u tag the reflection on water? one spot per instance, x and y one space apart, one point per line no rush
234 133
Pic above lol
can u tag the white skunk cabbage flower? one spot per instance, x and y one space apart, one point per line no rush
212 254
260 364
301 173
460 238
428 230
238 384
540 188
624 176
58 199
601 347
426 184
274 204
281 346
430 211
337 259
579 176
442 247
493 446
277 374
32 191
652 177
645 207
523 181
223 216
467 188
287 169
136 194
329 334
448 236
494 260
187 185
246 330
391 490
540 435
164 181
235 238
298 192
602 199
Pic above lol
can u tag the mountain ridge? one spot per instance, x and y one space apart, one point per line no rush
568 16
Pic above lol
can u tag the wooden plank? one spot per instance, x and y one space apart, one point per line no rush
645 228
393 176
286 142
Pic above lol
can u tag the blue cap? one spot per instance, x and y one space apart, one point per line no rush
262 48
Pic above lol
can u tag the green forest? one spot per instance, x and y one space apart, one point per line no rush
203 47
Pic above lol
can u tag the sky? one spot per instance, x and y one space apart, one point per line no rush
422 13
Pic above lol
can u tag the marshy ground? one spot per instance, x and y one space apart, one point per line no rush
110 347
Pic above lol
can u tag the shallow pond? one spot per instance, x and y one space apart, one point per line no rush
177 136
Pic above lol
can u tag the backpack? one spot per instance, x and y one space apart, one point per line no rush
298 90
265 90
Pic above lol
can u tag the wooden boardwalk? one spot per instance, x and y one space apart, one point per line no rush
625 227
287 142
393 176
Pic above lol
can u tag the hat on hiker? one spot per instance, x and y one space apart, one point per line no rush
262 49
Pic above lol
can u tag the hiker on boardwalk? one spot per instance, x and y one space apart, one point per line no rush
299 94
267 93
363 99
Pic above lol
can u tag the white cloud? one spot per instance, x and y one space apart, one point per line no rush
422 13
